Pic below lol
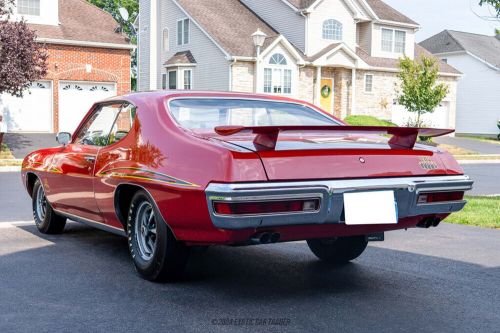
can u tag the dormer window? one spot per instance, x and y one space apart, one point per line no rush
393 40
28 7
332 30
183 32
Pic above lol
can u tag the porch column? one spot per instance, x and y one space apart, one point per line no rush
353 94
317 97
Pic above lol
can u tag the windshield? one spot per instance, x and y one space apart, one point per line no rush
208 113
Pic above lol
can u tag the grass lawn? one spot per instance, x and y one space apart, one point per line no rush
367 121
5 153
479 211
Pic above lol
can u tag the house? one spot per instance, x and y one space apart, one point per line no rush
341 55
478 57
89 60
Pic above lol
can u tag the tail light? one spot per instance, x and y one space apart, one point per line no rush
424 198
266 207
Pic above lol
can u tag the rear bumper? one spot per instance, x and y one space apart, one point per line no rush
331 195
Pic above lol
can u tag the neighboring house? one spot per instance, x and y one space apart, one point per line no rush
478 57
338 54
88 61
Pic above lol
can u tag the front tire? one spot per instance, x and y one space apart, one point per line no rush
156 254
339 250
46 220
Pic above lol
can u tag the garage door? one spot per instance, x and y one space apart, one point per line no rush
76 99
32 112
437 119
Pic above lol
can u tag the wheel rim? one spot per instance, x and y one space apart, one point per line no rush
145 230
41 204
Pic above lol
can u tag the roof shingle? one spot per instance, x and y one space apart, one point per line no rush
386 12
184 57
81 21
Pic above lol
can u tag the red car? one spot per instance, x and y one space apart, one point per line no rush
175 170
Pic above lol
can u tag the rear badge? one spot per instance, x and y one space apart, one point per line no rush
362 160
427 164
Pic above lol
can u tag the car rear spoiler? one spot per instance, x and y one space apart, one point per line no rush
402 137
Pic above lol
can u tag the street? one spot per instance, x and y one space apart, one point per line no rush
443 278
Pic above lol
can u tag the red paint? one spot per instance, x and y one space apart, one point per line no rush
176 165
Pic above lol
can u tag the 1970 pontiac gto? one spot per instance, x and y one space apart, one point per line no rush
174 170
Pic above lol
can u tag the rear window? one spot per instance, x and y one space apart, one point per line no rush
208 113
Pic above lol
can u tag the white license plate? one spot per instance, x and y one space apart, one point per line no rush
365 208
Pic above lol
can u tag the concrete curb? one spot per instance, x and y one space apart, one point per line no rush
10 168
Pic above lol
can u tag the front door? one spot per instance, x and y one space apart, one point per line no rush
72 182
327 95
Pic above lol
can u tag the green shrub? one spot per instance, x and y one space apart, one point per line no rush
367 121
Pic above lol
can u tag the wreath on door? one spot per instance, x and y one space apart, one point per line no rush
326 91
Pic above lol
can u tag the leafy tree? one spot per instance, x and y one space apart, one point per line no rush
132 6
23 60
420 92
493 3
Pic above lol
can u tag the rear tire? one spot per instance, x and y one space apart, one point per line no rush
156 254
46 220
338 250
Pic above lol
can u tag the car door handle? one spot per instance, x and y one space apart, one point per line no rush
90 159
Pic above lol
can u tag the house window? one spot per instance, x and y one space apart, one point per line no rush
172 80
444 60
399 41
183 32
277 78
393 40
188 79
387 40
165 40
164 81
368 83
28 7
332 30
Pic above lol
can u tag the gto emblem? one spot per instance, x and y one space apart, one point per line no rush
362 160
427 164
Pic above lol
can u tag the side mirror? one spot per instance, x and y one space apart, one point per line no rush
63 138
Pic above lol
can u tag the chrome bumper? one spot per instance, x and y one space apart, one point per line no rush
331 195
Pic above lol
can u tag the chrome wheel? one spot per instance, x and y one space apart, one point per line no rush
41 204
145 230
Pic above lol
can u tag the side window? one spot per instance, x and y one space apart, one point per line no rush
123 123
95 132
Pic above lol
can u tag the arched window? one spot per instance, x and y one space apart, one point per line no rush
277 77
332 30
277 59
165 40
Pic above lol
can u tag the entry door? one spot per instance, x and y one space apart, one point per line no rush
326 95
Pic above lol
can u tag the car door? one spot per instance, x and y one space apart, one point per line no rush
72 188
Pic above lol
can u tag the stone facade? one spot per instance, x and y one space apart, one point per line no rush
70 63
305 90
242 77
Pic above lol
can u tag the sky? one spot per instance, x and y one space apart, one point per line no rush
437 15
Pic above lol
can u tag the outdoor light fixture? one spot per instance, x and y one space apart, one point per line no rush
259 38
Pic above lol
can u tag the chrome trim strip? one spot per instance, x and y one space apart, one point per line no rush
92 223
406 190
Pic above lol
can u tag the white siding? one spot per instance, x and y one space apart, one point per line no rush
212 70
377 42
49 14
143 47
282 18
365 36
478 100
330 9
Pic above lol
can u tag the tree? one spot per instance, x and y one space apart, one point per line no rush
420 92
23 60
127 26
493 3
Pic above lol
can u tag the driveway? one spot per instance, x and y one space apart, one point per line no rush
23 144
478 146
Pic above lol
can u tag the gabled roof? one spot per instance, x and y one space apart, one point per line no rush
380 8
393 63
230 23
84 22
486 48
181 58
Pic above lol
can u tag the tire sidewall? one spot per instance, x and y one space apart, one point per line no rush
42 225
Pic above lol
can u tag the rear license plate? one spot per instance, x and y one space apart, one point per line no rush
365 208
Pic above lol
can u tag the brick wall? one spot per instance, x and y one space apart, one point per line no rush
71 63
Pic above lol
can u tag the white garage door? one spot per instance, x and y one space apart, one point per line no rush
76 99
32 112
437 119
